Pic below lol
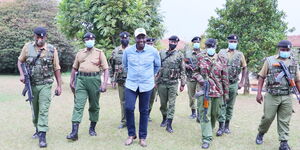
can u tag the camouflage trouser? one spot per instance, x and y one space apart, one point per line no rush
282 106
191 85
167 94
41 103
227 110
208 121
87 87
152 98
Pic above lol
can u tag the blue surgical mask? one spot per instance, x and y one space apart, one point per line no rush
211 51
284 54
232 46
196 45
90 43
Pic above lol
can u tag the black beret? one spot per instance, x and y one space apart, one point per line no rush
150 39
232 37
40 31
89 35
211 42
196 38
174 38
285 44
124 34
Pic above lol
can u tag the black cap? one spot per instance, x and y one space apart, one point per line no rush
196 38
174 38
211 42
40 31
89 35
150 39
285 44
232 37
124 34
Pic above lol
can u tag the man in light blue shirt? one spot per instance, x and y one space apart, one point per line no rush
141 63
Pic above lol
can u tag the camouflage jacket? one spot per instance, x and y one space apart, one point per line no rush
41 69
214 70
276 83
172 68
117 73
233 64
190 59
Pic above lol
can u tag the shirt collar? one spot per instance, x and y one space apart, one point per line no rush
44 47
232 51
212 58
121 48
140 50
85 50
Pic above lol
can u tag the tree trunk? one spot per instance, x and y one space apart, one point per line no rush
247 84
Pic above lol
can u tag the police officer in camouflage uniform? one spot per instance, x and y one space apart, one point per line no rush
211 69
236 64
87 84
190 66
278 98
42 60
117 72
151 41
172 69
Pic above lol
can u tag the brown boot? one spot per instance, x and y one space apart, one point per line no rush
143 142
129 140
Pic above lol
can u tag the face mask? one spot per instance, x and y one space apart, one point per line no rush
90 43
232 46
196 45
125 42
283 54
40 43
172 46
211 51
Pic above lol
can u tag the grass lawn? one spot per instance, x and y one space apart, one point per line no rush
16 127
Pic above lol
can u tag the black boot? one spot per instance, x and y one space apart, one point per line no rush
42 139
74 134
221 129
169 126
193 115
205 145
122 125
164 122
284 145
92 129
36 134
149 118
198 117
226 130
259 138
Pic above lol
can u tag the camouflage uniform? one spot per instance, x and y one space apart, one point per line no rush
118 75
236 61
172 69
213 70
191 60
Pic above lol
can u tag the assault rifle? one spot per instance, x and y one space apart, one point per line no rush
27 89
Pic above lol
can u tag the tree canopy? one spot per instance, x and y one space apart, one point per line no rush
107 18
17 21
258 23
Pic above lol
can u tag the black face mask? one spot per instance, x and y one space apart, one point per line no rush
125 42
172 46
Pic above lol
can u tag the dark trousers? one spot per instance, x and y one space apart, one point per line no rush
130 99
